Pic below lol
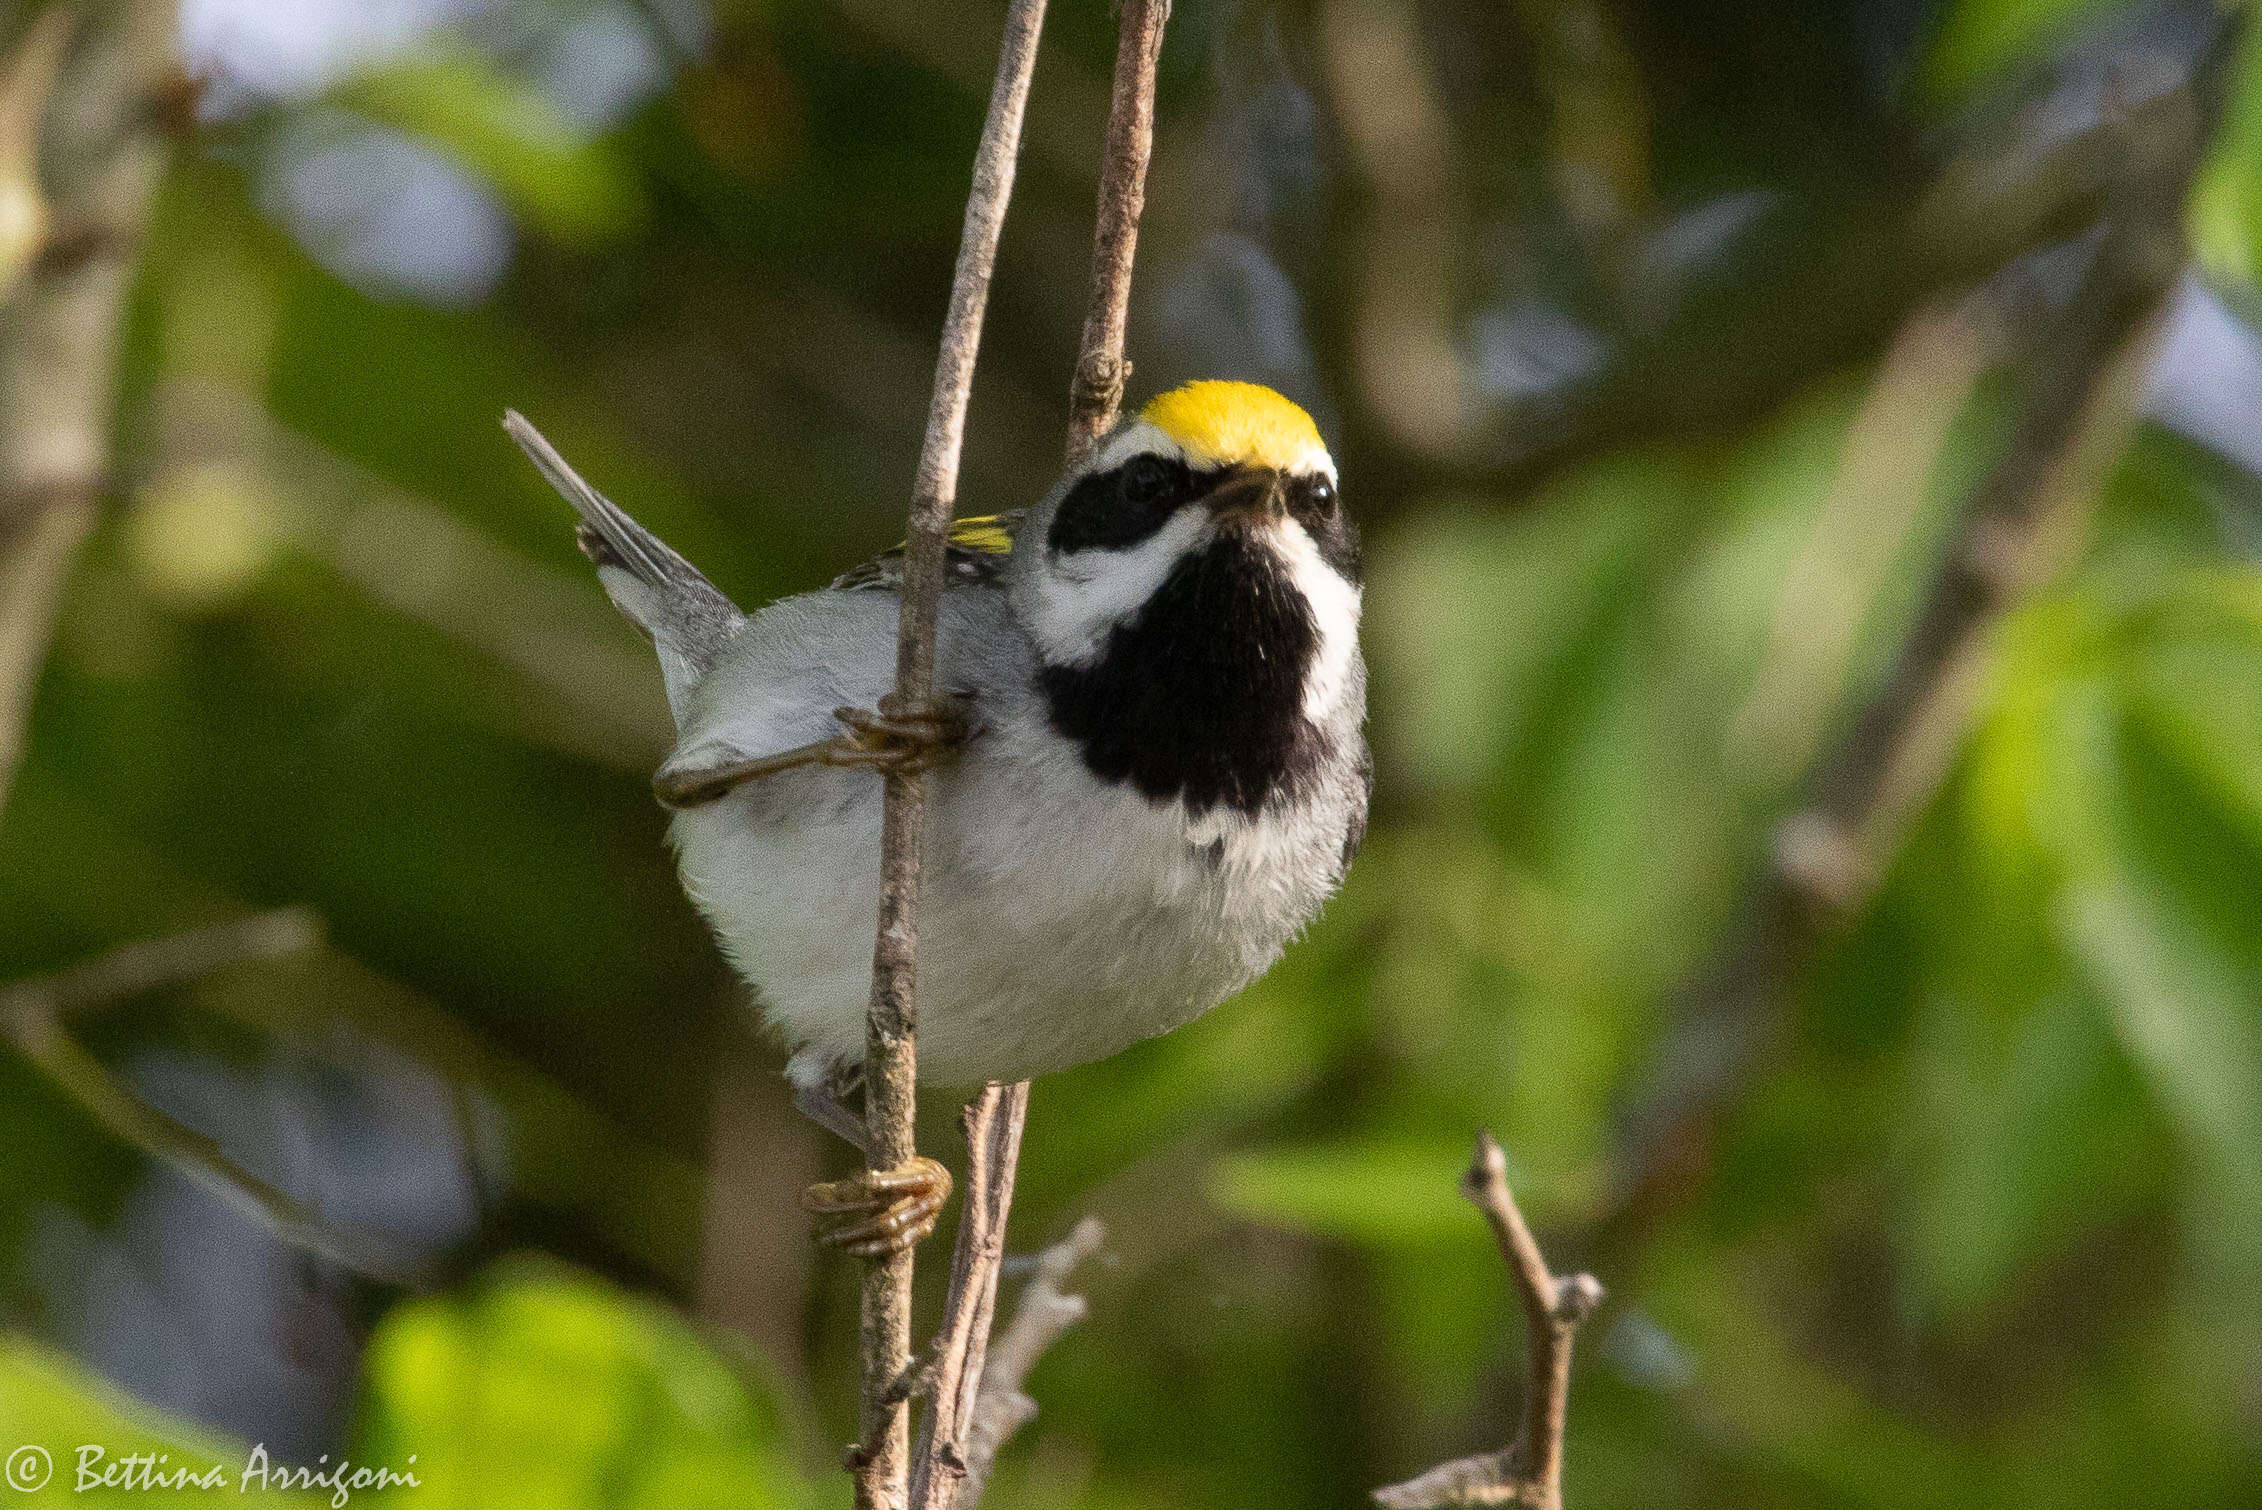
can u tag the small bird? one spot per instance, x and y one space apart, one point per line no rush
1149 762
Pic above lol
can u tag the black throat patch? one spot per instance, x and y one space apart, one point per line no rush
1201 696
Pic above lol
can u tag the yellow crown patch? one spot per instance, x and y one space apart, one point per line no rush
1226 424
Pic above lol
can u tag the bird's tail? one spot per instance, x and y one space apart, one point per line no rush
686 615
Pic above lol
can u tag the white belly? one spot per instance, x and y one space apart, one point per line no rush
1060 920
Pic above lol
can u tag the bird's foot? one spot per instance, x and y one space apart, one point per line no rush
903 740
875 1212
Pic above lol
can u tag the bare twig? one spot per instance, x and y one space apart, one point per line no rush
1097 388
881 1461
1046 1310
31 1019
1530 1471
58 331
152 964
1829 854
995 1121
993 1146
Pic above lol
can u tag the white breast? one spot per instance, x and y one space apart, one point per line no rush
1061 919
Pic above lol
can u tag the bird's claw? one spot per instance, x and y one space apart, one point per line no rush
900 740
875 1212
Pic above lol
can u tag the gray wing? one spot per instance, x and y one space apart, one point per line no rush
686 615
776 687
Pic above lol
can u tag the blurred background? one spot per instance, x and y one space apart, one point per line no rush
1667 349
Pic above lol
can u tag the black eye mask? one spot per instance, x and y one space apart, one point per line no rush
1116 509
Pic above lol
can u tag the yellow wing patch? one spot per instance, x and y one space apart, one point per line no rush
979 548
982 532
1225 424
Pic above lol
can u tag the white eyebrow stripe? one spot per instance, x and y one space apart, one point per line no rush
1138 437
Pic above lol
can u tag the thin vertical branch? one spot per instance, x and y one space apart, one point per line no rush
1530 1471
993 1139
995 1121
881 1461
1096 391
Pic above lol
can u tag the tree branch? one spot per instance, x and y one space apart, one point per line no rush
993 1147
943 1475
1828 855
1530 1471
1046 1310
32 1014
59 326
1097 388
881 1462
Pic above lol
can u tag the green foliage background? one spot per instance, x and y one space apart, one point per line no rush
1597 303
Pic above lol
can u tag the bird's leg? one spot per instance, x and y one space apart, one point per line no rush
822 1105
892 741
872 1211
875 1212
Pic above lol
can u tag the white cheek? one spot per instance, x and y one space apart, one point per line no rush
1335 612
1080 597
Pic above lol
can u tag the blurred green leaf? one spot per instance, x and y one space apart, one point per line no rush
2226 200
2193 1021
2198 691
1474 614
2049 1137
52 1411
1978 38
544 1390
509 133
1757 1387
1377 1191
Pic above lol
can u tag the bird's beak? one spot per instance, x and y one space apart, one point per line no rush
1251 493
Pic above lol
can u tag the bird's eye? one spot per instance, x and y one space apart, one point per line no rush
1145 480
1323 496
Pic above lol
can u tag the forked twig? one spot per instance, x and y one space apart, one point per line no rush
1046 1310
1530 1471
993 1139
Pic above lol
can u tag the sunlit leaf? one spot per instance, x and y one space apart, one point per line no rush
2199 692
201 536
67 1435
547 1391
